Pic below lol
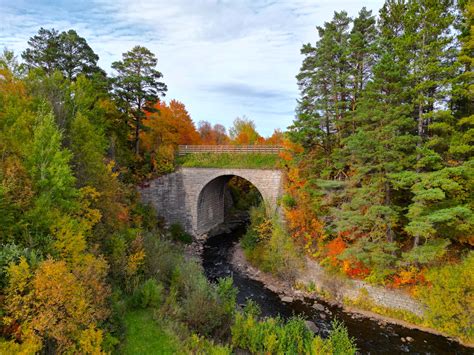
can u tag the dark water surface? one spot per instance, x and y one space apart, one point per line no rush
370 336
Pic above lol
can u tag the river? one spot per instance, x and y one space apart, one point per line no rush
371 336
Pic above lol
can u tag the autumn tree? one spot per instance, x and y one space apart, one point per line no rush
243 131
187 133
164 128
212 135
276 138
137 86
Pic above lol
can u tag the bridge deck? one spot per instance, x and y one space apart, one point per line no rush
240 149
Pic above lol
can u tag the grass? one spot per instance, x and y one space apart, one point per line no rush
144 335
227 160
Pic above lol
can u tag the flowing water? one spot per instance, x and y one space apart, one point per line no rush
370 336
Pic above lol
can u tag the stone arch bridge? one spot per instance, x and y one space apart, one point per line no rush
194 197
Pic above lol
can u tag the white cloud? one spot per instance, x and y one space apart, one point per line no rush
222 59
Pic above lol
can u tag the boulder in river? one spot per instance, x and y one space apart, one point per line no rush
287 299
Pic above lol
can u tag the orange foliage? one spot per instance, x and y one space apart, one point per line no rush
303 223
355 269
164 130
334 248
412 276
212 135
276 138
171 124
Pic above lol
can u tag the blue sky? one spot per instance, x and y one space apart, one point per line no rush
222 59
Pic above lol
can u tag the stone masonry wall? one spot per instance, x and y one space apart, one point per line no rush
194 197
351 289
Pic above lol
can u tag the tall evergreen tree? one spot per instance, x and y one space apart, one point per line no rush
137 86
66 52
323 82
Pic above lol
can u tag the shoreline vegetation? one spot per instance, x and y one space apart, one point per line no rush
285 288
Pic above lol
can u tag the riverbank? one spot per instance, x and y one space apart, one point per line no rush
288 293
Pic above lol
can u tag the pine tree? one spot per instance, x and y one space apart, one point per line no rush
323 82
137 86
66 52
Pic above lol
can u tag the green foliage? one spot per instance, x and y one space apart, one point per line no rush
145 336
227 160
179 234
340 341
429 252
268 245
449 298
203 346
288 201
148 295
49 166
206 309
137 86
380 258
275 336
66 51
244 194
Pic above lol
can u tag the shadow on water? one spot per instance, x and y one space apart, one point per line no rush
370 335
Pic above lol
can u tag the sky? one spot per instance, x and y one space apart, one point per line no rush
222 59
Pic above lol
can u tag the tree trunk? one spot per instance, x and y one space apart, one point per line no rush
388 229
416 241
137 137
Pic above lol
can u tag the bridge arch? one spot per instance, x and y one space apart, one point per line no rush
212 202
194 197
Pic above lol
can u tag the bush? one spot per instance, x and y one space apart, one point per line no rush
275 336
449 298
268 246
207 309
288 201
202 346
150 294
281 257
179 234
341 343
161 258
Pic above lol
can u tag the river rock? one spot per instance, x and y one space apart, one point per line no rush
410 339
272 288
322 315
311 326
287 299
318 306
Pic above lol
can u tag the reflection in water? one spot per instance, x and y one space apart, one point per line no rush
370 336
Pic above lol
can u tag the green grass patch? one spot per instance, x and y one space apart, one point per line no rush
227 160
145 336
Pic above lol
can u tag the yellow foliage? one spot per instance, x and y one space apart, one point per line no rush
134 262
30 345
70 241
89 216
56 302
17 292
90 341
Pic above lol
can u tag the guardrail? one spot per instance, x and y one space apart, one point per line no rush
239 149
